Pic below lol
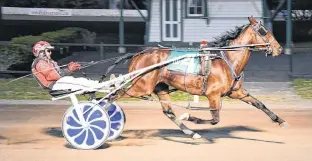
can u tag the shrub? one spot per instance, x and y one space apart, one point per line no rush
11 54
18 55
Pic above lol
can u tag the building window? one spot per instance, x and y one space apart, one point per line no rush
195 8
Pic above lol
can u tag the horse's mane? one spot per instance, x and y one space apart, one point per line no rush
227 37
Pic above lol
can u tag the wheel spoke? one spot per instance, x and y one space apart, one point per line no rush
73 127
74 117
115 110
78 134
114 130
103 130
115 122
97 119
86 138
92 110
99 134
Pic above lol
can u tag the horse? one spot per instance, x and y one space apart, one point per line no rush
224 79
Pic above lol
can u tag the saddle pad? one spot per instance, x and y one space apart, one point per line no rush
186 65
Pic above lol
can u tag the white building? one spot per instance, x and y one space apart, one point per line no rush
185 22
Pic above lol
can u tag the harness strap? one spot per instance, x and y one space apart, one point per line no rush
206 72
223 56
234 75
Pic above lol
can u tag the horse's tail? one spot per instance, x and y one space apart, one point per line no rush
124 57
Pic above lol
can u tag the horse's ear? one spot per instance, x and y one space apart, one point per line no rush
252 20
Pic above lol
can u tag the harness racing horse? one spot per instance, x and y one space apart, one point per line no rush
222 81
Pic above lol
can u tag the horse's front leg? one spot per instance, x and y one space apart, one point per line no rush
242 95
215 106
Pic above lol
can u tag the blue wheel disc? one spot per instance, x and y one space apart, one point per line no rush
117 120
86 126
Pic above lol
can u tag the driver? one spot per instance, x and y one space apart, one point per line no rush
49 75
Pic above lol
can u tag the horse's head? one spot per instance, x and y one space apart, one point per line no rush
263 35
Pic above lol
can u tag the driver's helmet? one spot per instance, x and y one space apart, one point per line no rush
203 44
41 46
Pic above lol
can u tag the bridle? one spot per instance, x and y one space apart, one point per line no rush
262 32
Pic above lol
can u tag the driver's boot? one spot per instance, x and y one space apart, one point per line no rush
92 96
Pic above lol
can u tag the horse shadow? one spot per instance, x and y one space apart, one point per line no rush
2 137
209 136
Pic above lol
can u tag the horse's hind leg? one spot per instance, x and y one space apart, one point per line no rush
162 91
215 106
242 95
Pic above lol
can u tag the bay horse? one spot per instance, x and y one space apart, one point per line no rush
220 82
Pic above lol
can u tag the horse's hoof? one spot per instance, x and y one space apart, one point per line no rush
185 116
284 125
196 136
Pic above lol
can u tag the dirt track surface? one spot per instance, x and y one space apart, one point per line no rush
32 133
